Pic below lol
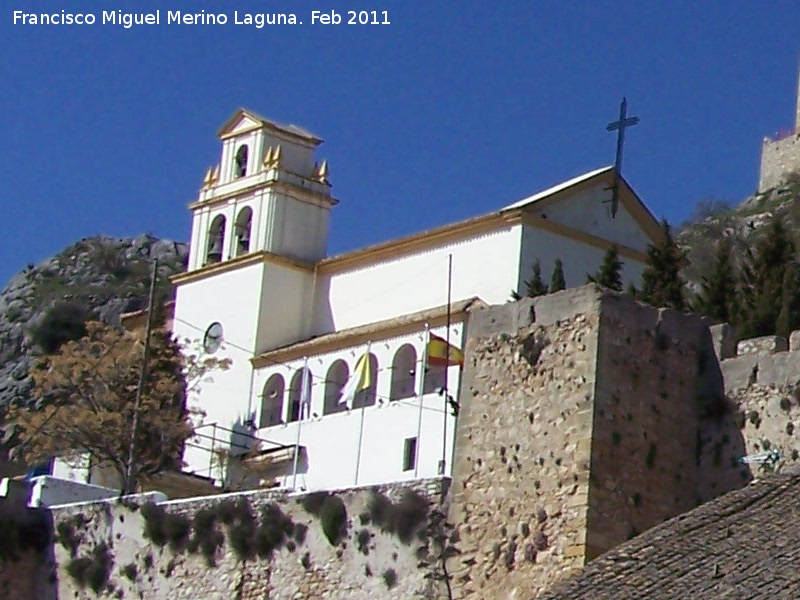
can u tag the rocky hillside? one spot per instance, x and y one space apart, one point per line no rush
97 278
743 223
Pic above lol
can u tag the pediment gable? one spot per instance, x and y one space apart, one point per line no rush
244 121
574 190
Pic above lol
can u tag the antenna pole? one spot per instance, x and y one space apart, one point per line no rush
443 464
130 468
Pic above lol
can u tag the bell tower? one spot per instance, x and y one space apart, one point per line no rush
267 194
259 226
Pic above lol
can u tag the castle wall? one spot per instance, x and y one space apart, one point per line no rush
523 444
657 386
762 383
779 158
344 545
581 424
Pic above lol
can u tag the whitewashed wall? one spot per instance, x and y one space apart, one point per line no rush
590 212
231 300
578 258
484 266
333 458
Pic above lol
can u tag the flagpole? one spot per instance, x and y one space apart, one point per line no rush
420 395
303 393
361 427
443 465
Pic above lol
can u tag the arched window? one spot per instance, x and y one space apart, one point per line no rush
216 240
334 382
272 402
404 371
243 223
296 393
367 397
240 168
434 379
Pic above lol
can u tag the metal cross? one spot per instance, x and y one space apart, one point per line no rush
619 127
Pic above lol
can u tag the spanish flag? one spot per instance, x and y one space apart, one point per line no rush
442 354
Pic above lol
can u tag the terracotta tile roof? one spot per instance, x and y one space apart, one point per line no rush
745 544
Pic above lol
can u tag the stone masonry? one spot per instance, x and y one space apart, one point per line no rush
780 157
762 383
579 427
356 543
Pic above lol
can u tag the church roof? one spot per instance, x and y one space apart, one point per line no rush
370 332
292 130
495 220
551 191
744 544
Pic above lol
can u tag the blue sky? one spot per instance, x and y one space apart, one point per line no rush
445 114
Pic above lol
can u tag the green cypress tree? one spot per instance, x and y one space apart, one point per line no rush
557 282
609 275
769 283
535 286
717 298
662 285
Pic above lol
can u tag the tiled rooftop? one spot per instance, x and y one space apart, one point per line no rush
745 544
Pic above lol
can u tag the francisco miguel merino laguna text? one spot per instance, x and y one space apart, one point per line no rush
177 17
173 17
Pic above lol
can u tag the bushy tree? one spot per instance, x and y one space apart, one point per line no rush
89 388
63 322
717 298
610 273
662 285
769 285
557 281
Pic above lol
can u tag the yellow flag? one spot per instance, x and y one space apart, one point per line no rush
360 380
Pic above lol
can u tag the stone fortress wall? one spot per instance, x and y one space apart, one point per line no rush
579 428
355 543
586 418
779 158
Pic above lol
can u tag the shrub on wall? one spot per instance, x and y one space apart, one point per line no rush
94 570
331 512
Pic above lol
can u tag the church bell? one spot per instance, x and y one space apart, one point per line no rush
215 250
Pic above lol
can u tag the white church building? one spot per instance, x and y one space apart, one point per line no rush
261 290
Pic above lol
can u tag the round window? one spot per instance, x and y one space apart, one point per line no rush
213 338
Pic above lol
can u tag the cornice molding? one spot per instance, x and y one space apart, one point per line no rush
233 264
419 241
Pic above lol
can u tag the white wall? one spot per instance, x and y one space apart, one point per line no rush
232 300
332 441
588 212
484 266
296 228
284 307
578 258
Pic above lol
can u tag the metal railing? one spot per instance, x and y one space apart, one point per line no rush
237 440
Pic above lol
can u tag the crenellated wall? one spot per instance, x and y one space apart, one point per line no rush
762 382
581 419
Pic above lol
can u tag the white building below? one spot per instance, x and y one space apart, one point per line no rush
261 290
